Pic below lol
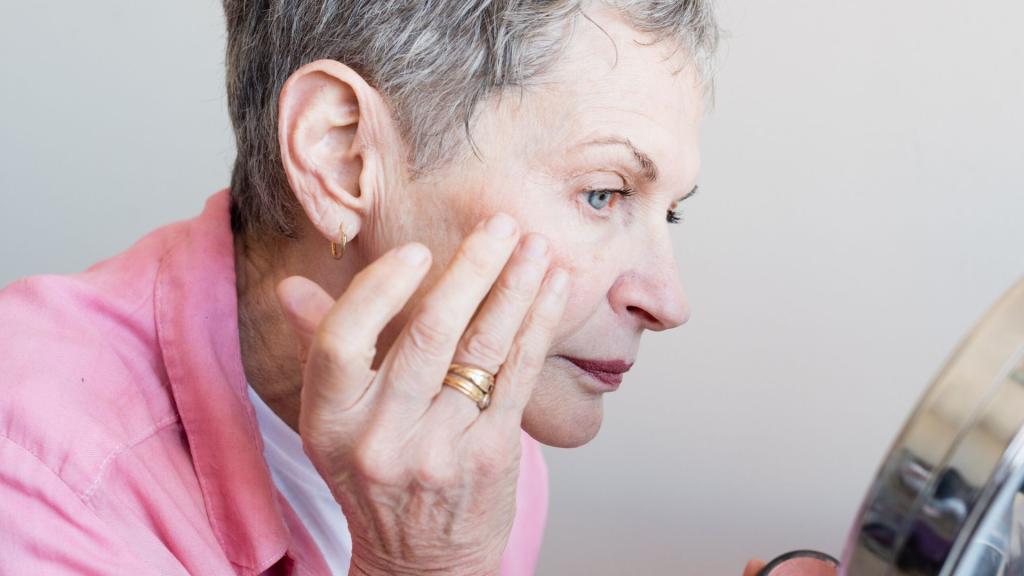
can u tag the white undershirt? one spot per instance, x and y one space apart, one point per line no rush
306 492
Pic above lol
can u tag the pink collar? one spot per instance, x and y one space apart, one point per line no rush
197 323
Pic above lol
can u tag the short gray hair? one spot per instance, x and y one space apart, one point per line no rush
432 61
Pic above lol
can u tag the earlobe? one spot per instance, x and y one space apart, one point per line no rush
322 136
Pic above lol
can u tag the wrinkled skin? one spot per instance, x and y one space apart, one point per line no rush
426 480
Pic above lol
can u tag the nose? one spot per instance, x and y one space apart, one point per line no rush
651 295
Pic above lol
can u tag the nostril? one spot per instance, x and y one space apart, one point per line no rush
647 316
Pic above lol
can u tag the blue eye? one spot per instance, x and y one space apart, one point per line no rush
599 199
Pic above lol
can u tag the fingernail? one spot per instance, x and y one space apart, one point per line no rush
501 225
559 281
413 254
535 247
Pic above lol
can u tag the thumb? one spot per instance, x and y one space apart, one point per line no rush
304 304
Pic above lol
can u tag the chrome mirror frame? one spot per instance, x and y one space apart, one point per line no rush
945 500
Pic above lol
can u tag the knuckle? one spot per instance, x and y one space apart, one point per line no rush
341 353
428 335
484 347
335 349
516 289
523 357
371 464
436 472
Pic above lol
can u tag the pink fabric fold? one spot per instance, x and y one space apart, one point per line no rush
127 442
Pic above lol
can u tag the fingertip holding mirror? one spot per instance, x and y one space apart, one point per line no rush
801 563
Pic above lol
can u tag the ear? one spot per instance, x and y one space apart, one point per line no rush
326 138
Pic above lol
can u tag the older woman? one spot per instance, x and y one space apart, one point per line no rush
448 223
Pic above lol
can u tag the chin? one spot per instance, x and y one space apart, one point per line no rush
560 413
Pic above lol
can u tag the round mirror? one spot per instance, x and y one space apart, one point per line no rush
948 498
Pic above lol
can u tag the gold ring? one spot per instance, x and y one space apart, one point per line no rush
480 378
479 397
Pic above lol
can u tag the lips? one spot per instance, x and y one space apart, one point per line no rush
607 371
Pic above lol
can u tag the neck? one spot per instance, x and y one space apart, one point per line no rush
269 348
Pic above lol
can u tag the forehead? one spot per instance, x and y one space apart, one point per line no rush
611 80
606 52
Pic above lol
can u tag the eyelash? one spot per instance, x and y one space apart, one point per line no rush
671 216
624 192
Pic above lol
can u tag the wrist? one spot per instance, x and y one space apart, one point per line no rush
362 565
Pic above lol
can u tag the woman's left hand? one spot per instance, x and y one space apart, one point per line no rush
425 476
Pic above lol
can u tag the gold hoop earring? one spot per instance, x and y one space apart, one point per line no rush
343 240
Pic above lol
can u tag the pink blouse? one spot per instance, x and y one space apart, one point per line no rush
128 444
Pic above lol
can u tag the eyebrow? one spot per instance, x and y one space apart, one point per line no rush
688 194
648 168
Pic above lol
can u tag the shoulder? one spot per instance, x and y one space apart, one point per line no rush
80 369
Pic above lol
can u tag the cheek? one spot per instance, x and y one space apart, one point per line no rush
590 277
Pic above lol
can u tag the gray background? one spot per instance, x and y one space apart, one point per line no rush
861 205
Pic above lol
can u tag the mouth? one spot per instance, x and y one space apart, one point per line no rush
608 372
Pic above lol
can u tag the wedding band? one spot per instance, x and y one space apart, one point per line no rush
478 396
480 378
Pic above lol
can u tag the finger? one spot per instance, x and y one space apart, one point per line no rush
518 375
304 304
344 342
486 342
753 567
419 358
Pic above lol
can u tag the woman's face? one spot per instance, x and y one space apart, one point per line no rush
594 124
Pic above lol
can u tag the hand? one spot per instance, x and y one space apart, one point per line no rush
426 480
